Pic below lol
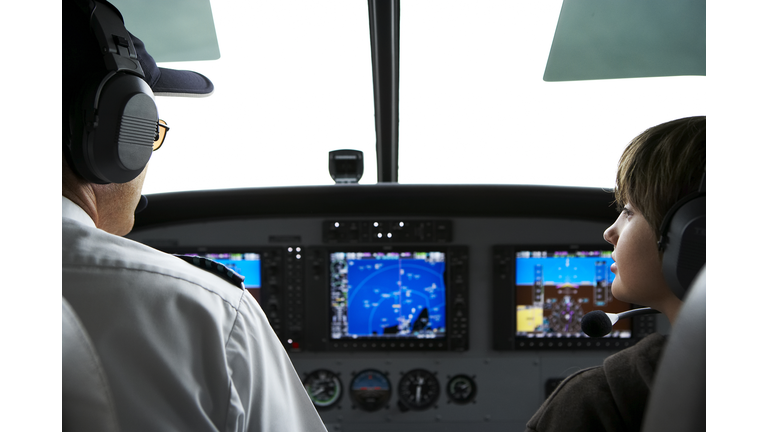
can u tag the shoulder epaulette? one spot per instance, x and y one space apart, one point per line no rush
218 269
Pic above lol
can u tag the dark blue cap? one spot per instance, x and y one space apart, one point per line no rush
170 82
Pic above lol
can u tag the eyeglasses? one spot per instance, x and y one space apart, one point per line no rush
162 129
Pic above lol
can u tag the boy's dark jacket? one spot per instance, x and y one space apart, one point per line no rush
611 397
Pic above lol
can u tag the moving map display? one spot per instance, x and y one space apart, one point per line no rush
555 289
378 295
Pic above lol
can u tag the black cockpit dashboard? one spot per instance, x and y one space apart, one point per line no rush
415 307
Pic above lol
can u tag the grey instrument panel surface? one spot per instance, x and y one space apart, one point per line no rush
511 384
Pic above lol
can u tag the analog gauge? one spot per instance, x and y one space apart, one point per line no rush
323 387
418 389
461 389
370 390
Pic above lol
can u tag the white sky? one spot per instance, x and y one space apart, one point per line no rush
294 83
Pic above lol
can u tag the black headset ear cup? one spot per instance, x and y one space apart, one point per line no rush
113 141
113 119
684 242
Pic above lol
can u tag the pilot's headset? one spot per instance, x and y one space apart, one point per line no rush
684 240
114 122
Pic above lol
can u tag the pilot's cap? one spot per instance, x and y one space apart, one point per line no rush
82 58
170 82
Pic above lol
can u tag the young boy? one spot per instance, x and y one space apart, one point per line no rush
659 167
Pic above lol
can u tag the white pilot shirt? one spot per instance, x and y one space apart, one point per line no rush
183 349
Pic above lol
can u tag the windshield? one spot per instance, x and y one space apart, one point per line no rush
294 82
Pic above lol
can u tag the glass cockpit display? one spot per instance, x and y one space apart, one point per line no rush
247 264
556 288
388 295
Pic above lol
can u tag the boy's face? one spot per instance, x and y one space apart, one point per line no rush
639 278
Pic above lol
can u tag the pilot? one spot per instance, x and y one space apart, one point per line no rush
658 168
182 348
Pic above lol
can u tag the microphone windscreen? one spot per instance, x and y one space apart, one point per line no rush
143 201
596 324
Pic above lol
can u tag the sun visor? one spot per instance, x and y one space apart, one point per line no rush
173 31
605 39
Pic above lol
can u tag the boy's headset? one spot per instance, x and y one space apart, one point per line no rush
114 123
684 240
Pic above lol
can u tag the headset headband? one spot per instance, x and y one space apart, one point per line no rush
115 41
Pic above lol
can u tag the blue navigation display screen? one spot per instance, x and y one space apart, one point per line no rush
556 288
246 264
387 294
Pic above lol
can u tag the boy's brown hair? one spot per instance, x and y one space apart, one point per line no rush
662 165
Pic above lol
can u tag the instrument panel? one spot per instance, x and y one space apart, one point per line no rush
424 353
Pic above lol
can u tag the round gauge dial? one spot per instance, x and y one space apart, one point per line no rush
370 390
461 389
418 389
323 387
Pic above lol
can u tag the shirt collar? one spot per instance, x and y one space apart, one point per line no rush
73 211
